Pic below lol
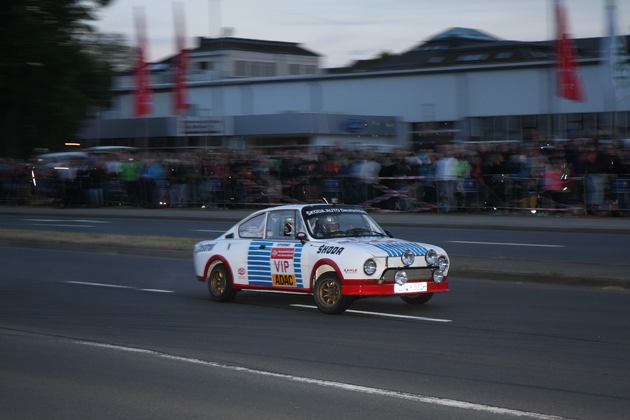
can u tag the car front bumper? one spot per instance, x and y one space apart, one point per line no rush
371 288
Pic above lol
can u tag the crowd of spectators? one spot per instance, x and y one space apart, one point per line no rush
579 175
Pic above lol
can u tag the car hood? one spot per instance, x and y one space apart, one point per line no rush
387 247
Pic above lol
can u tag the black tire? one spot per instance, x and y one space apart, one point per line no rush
418 299
328 297
220 284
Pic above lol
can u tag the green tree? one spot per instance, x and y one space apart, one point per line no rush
55 69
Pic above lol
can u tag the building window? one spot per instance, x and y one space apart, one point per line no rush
240 68
436 59
472 57
269 69
243 68
255 69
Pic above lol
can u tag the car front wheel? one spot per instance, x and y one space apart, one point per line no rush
418 299
328 297
220 284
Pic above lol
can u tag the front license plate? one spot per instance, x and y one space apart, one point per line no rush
410 287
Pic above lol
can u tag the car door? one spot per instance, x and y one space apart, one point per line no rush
275 261
250 231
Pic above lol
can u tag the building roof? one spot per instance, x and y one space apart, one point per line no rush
253 45
463 33
465 47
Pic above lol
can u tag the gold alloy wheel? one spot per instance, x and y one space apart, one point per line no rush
218 282
328 295
329 292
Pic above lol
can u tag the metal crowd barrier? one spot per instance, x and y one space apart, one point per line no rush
601 194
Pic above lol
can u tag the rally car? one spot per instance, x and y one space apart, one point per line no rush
337 253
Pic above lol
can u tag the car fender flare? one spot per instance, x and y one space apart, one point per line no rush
325 265
214 260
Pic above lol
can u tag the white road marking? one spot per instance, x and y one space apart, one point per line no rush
118 286
506 243
155 290
85 283
386 315
60 225
208 230
407 396
66 220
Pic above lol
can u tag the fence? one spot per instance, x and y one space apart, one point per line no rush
601 194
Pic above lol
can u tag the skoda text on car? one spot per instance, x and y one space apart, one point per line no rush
337 253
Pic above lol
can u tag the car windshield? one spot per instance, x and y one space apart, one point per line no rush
339 222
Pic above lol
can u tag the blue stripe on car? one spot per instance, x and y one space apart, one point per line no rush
259 263
398 248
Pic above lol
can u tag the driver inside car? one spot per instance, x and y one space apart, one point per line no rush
327 225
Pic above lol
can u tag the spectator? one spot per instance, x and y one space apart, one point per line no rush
446 176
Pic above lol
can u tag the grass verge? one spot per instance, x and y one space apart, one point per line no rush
98 240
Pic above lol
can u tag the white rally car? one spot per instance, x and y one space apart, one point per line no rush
335 252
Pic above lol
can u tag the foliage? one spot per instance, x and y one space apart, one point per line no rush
55 69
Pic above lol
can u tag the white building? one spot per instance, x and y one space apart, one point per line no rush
460 85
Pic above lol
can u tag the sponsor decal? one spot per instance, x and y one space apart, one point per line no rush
354 125
284 280
350 270
241 271
282 253
334 210
330 250
282 269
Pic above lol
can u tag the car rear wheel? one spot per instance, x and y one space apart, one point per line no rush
328 297
220 284
417 299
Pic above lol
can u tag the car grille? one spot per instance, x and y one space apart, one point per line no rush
421 273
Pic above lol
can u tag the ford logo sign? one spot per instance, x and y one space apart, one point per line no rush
354 125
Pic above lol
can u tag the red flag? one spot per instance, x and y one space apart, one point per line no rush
142 97
568 77
180 65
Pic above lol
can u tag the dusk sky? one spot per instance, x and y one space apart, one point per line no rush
343 31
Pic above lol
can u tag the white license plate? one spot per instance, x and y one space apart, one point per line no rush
410 287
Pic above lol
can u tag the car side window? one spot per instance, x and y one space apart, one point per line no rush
253 228
281 224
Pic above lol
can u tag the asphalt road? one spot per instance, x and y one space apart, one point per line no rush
585 250
87 334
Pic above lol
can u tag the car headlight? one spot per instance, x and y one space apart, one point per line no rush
408 258
438 276
369 267
442 263
401 277
431 257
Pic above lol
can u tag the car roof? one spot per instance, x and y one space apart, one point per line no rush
301 206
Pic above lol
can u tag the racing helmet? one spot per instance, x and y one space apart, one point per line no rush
331 224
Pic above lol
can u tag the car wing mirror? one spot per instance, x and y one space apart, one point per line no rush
302 237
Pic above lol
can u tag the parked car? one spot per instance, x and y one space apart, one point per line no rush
337 253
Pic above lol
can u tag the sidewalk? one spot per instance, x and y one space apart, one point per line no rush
600 275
